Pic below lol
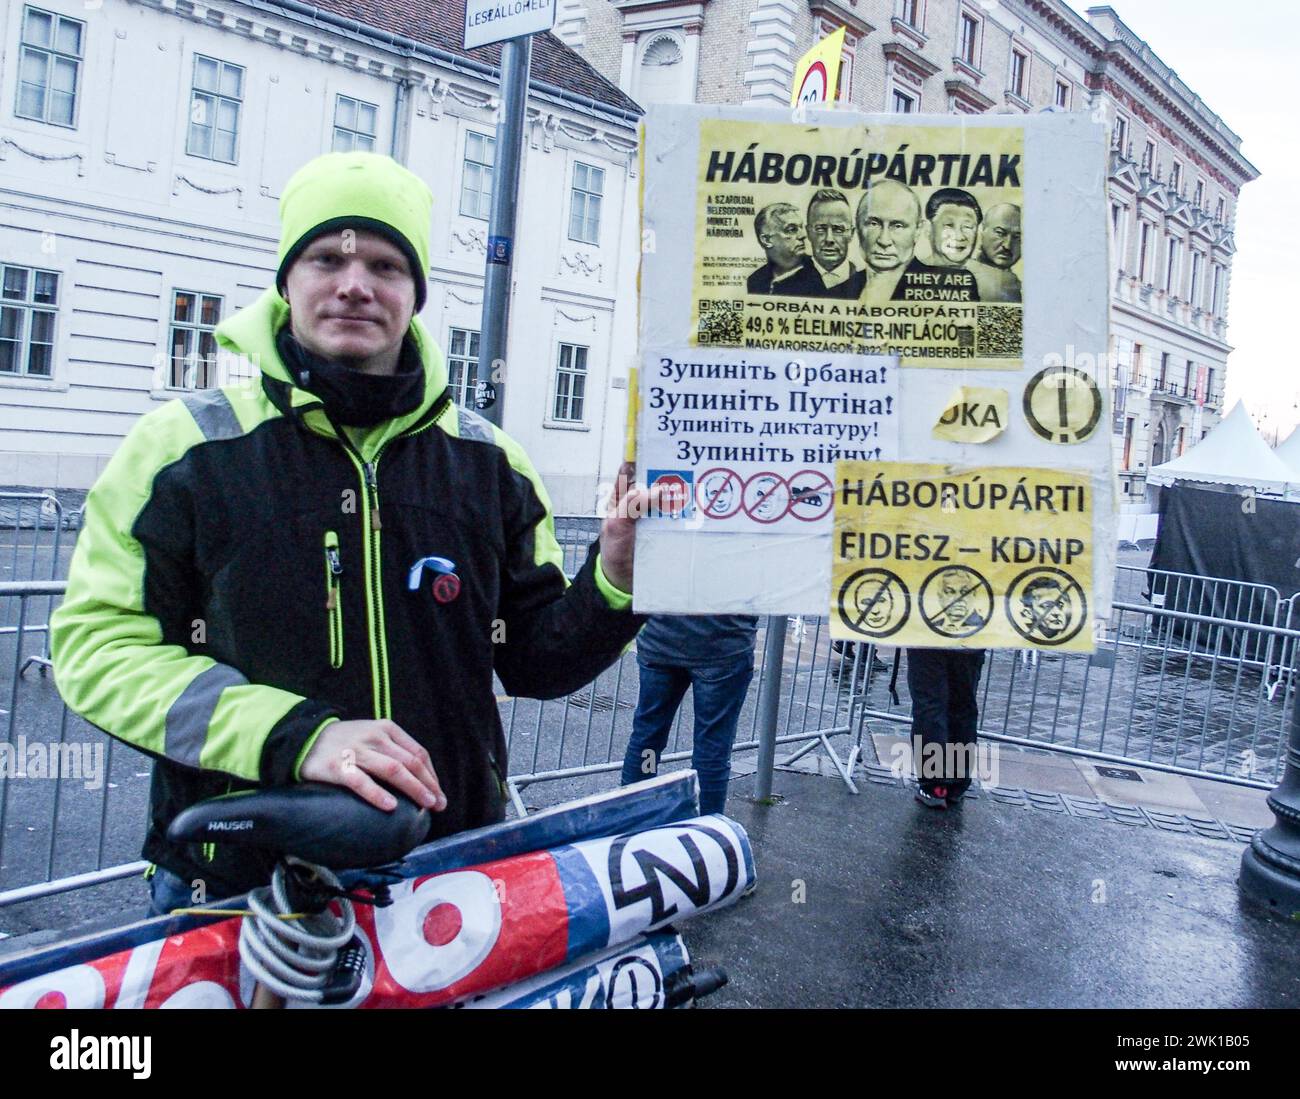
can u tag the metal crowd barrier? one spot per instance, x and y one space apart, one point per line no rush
1210 709
31 530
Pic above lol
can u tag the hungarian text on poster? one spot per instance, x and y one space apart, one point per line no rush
748 442
993 557
883 240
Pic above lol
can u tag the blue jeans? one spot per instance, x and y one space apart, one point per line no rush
168 891
719 694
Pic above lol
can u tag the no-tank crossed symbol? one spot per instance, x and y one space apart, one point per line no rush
1063 404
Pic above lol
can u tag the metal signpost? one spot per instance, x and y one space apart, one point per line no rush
512 23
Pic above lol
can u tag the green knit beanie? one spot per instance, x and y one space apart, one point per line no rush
356 191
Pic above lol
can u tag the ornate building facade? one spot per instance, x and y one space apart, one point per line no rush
143 148
1176 169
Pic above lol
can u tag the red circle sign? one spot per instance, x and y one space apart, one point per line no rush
815 85
811 495
719 493
766 497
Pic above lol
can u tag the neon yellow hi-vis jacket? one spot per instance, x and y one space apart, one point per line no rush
242 578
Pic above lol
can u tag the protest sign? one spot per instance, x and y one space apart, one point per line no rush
973 251
748 442
894 261
988 557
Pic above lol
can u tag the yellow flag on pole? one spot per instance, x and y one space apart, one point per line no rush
818 70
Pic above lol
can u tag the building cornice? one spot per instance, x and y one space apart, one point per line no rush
968 94
316 33
908 63
842 15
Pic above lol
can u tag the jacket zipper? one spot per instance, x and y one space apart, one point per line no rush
333 602
371 527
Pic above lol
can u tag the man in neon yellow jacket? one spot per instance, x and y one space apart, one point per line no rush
312 574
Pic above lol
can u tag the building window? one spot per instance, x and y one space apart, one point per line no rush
1216 290
1171 266
970 39
1019 70
1136 375
1194 295
193 346
1119 134
48 67
844 84
1182 440
215 100
1128 442
1198 195
462 365
570 383
476 178
28 300
909 12
1219 210
1149 157
584 203
1063 95
1175 176
1209 385
1164 369
354 125
1144 248
902 103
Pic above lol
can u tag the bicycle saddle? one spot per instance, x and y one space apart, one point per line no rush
315 821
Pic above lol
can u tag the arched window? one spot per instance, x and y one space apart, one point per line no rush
661 73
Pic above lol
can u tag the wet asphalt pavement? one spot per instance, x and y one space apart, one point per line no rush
876 901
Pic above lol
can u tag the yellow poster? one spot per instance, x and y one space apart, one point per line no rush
816 76
864 240
986 558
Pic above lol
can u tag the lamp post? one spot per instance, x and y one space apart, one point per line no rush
1270 867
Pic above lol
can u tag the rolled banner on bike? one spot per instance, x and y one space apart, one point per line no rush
453 935
642 974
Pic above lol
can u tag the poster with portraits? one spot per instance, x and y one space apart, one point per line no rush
962 263
899 240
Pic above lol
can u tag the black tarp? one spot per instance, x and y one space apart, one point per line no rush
1225 536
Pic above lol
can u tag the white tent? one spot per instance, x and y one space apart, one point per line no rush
1233 453
1289 452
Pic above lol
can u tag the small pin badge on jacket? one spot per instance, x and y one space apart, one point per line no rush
446 584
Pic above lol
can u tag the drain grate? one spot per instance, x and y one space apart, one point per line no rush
602 704
1125 773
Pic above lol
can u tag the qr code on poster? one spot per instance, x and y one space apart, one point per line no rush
721 322
1000 332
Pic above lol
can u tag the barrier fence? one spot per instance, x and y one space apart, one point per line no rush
31 537
1194 693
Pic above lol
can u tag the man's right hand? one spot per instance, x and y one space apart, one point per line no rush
355 753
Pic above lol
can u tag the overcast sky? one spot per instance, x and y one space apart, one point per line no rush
1242 60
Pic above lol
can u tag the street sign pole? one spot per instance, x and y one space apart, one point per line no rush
516 59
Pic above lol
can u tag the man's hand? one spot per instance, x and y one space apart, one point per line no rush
349 753
627 503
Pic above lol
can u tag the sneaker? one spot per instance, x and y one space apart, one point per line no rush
935 799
